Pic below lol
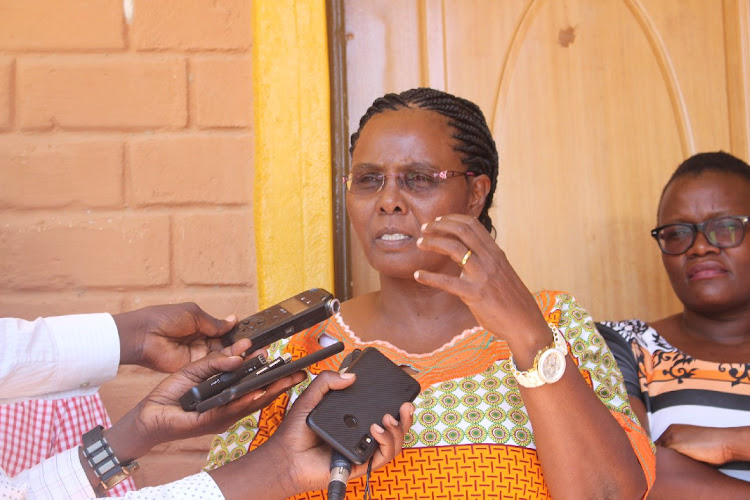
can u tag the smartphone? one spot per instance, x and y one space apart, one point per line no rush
343 418
216 383
262 377
284 319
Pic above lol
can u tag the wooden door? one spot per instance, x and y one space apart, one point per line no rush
593 104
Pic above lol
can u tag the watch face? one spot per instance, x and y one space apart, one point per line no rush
551 366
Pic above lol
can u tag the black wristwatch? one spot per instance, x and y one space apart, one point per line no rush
104 462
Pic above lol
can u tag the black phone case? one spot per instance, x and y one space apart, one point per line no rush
343 418
214 384
253 381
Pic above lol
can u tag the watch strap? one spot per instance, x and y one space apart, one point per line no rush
530 378
103 460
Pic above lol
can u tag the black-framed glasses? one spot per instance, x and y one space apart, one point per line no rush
721 232
415 181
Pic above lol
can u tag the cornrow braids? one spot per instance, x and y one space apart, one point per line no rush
475 143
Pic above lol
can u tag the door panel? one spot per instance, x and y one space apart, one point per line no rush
592 103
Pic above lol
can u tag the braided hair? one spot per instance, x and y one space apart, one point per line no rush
476 145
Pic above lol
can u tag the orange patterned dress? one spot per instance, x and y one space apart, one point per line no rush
471 437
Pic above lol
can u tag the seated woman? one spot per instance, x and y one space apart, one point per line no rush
493 360
688 375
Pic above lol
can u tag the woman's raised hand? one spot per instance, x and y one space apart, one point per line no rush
487 284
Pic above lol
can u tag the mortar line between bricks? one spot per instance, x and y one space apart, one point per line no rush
12 86
188 95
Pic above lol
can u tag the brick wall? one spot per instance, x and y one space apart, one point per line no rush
126 172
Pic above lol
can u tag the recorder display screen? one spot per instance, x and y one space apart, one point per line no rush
293 305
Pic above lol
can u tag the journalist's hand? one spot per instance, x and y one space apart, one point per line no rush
159 418
295 459
166 337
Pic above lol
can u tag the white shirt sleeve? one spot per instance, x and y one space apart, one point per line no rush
57 357
62 477
196 486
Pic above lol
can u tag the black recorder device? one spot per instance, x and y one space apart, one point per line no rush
282 320
286 318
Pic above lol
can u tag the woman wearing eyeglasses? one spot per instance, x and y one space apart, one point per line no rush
492 359
688 375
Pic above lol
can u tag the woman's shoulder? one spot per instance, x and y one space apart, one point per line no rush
557 300
638 331
562 308
629 328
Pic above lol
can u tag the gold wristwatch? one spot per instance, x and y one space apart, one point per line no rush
549 363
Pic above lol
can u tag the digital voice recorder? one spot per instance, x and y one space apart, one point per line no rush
286 318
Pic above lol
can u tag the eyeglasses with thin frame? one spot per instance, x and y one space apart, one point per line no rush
721 232
415 181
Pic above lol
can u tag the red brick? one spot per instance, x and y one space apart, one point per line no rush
219 303
49 172
214 249
222 92
208 168
191 24
6 85
33 305
132 384
101 92
56 25
62 252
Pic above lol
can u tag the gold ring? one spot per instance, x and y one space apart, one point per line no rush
466 258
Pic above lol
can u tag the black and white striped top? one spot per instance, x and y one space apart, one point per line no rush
678 389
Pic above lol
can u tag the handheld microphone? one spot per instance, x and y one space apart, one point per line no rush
340 470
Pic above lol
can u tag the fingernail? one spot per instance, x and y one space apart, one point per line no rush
378 429
236 357
438 218
392 420
416 275
231 318
419 240
412 409
346 376
424 226
260 395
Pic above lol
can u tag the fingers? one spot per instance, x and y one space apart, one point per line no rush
324 382
445 282
239 347
390 436
454 235
488 284
212 364
406 416
469 245
207 324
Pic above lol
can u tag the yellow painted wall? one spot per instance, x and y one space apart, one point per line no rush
292 199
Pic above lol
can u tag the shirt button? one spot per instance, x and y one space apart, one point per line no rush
84 384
